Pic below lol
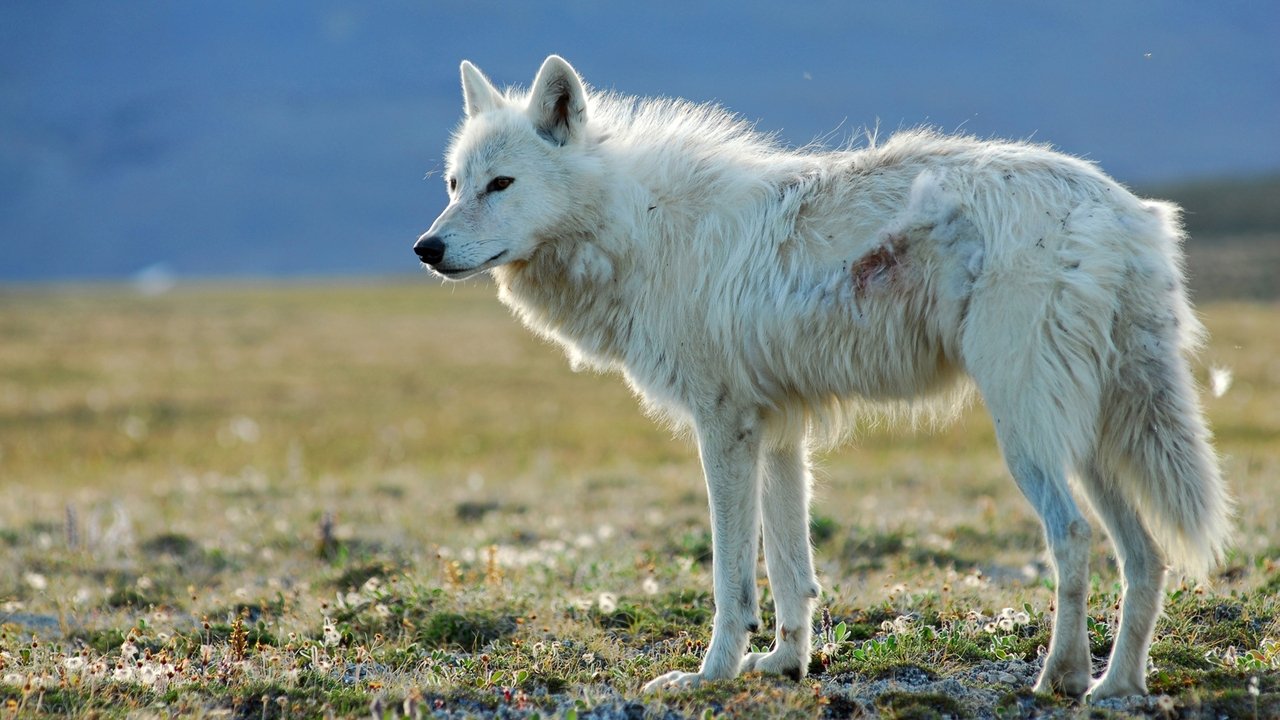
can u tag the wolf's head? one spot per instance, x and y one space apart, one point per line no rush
511 172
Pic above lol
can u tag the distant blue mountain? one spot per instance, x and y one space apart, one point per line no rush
301 137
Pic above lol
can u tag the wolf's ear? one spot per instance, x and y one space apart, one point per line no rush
478 94
558 102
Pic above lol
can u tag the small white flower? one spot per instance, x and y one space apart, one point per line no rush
245 429
73 663
898 626
122 674
147 674
37 581
135 427
331 635
650 586
607 602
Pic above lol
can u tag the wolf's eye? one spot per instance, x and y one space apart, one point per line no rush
453 184
500 183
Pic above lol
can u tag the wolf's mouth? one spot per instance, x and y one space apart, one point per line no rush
466 272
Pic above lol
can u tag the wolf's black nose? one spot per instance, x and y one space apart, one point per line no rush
429 249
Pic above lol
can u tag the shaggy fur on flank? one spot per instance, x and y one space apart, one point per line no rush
765 297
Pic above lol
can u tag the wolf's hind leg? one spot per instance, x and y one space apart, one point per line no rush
1035 341
1028 431
1024 427
1067 668
789 559
1143 567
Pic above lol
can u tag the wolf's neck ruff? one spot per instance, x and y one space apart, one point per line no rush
568 291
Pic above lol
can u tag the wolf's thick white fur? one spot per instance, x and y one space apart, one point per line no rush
766 296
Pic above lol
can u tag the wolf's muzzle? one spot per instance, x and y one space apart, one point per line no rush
429 250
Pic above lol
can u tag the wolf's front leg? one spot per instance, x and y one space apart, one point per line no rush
729 444
789 558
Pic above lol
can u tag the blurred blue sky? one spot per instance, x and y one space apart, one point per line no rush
296 137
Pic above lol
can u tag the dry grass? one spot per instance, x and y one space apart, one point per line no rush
507 536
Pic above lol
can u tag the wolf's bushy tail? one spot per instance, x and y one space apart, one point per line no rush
1169 471
1152 429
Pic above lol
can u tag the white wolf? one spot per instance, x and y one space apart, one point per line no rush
765 296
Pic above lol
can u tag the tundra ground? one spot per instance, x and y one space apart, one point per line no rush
299 500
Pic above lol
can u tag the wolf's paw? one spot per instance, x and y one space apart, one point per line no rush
674 680
774 663
1115 687
1070 683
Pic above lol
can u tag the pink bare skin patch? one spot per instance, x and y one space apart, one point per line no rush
876 267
